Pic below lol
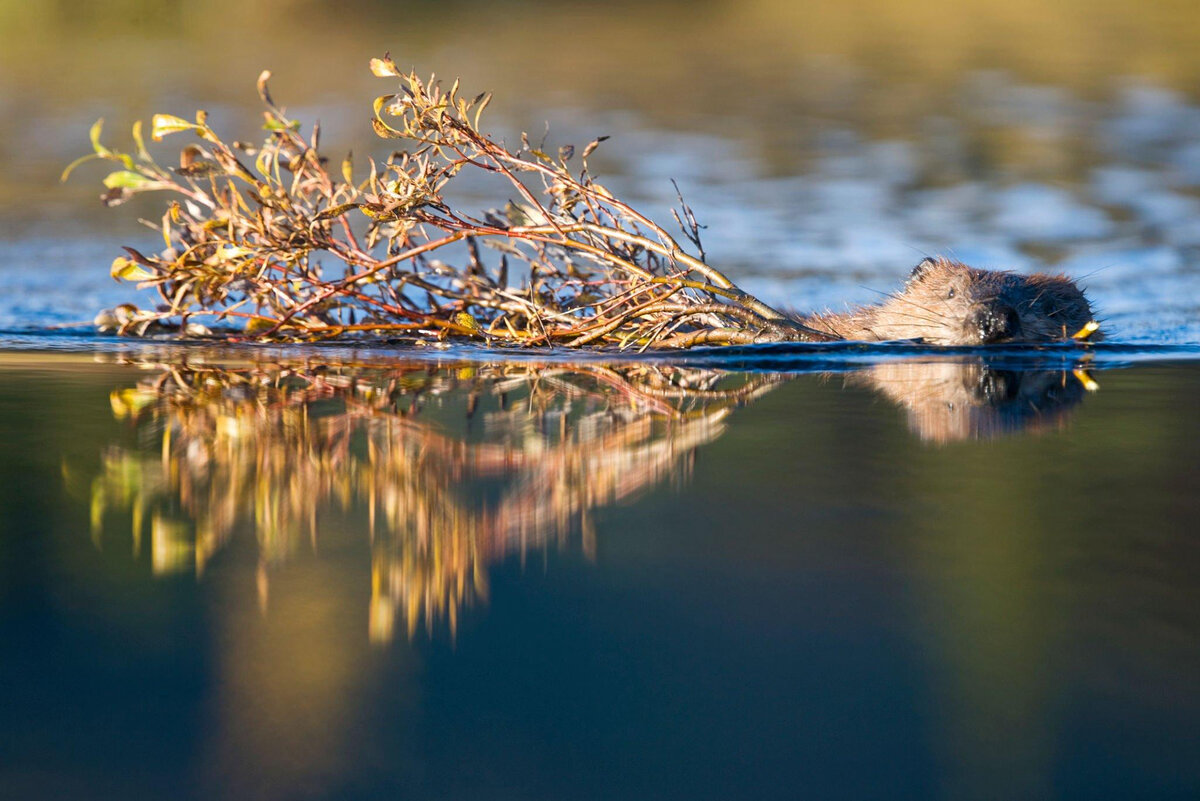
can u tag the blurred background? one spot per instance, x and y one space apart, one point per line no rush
828 146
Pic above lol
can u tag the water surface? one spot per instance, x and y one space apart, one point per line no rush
328 578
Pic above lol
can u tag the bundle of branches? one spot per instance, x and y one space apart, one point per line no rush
268 243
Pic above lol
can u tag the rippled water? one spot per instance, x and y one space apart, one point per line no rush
848 571
1107 192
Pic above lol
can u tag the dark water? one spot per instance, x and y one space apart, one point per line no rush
353 577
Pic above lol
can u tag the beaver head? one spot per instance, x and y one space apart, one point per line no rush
945 302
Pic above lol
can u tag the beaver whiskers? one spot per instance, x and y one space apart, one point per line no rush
961 305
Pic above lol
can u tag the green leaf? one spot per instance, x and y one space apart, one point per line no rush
100 151
124 179
273 123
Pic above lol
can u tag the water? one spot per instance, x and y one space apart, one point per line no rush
1105 192
276 580
845 571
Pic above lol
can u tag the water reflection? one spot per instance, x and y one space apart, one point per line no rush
949 401
452 468
523 458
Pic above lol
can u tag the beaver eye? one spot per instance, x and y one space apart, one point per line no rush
950 294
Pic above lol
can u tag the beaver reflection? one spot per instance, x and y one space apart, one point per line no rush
275 447
953 400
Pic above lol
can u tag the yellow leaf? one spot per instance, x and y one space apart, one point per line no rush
256 325
94 135
163 124
130 401
66 173
143 154
233 252
468 322
96 512
124 269
335 211
384 68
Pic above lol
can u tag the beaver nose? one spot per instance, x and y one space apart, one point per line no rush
995 387
994 322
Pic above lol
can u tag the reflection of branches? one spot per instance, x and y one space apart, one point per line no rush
276 444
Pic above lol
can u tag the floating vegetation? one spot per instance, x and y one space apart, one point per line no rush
270 243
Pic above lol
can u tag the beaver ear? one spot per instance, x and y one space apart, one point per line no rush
922 269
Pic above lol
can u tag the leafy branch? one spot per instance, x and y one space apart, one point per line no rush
268 243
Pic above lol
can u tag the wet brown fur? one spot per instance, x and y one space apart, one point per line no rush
945 302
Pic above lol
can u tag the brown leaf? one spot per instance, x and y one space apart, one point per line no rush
595 143
190 154
263 91
138 257
115 196
199 169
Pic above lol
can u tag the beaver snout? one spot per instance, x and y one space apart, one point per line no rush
993 322
994 387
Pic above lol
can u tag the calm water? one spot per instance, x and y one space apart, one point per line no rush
283 579
828 572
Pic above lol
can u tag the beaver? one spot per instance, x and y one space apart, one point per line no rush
949 400
945 302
